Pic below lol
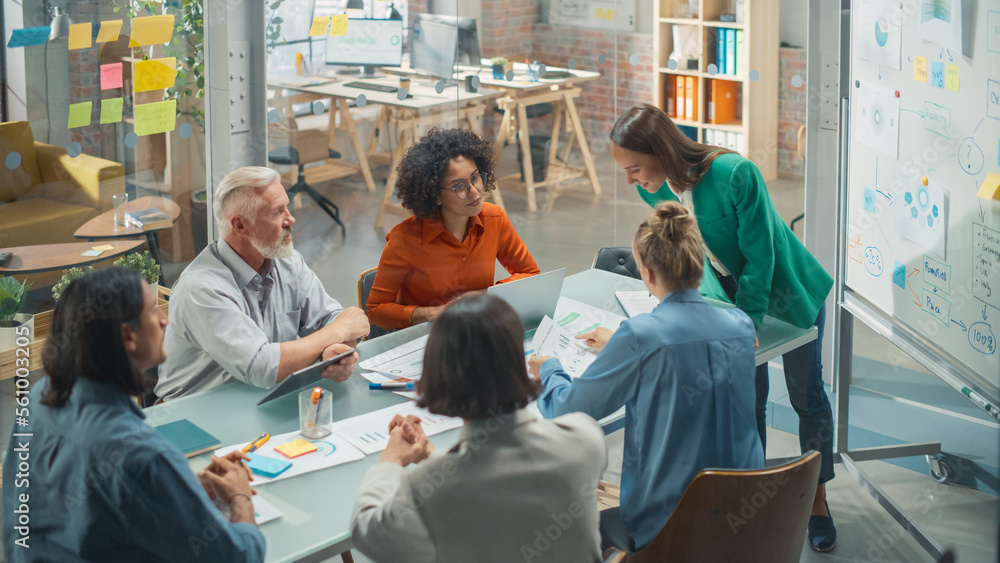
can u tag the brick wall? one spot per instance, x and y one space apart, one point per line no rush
791 110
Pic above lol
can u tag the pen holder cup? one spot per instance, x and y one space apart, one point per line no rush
315 421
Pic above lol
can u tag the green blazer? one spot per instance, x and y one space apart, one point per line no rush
775 272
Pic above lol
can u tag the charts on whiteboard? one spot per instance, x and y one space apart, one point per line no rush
923 228
880 32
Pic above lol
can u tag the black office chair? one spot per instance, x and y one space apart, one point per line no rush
365 281
618 260
289 156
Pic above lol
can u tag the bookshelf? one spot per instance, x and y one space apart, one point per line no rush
753 130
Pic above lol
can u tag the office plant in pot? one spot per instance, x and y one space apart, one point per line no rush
12 321
498 64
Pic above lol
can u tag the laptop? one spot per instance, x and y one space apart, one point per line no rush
305 377
533 297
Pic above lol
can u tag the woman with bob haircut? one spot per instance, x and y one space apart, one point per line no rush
754 262
515 487
453 240
684 373
105 486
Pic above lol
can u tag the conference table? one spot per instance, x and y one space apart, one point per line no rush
317 506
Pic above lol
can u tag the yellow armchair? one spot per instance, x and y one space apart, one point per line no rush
49 195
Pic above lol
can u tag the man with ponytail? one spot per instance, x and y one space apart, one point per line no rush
684 373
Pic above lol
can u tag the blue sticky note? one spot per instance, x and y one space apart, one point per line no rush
869 200
899 274
937 74
267 466
29 36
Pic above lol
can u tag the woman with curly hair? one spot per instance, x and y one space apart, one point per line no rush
452 242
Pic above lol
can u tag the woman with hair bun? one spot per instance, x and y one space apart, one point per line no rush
684 373
754 261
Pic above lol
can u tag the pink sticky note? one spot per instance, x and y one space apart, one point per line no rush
111 76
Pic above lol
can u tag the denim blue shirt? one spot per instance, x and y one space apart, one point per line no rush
104 486
685 373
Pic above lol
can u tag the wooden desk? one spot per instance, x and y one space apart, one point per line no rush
521 94
52 257
103 226
426 108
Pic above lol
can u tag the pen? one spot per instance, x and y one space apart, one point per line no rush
260 441
394 386
981 402
317 398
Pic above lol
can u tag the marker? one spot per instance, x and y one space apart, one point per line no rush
393 386
260 441
981 402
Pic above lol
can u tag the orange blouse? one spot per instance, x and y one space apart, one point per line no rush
424 265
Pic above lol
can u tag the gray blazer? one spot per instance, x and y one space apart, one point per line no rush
514 488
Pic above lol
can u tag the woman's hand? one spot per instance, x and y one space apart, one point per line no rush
597 338
535 363
407 444
425 314
226 478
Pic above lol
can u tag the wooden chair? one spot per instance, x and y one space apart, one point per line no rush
365 281
616 259
755 516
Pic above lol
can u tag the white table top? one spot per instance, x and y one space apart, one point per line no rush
425 95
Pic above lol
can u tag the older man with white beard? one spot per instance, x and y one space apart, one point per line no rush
248 307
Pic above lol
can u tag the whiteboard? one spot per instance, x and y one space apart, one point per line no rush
924 133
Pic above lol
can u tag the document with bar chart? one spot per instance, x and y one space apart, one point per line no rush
370 432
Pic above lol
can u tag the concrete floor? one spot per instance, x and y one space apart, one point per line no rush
569 235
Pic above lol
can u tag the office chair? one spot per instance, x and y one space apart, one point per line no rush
711 521
616 259
289 156
365 281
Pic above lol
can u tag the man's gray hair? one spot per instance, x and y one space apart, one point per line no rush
235 194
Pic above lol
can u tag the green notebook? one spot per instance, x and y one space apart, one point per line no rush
189 439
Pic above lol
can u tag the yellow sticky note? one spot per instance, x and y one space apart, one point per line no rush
79 35
79 114
111 110
338 25
155 74
920 69
109 31
951 77
158 117
319 26
103 247
990 189
295 448
151 30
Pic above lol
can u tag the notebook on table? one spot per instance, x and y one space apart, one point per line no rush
190 439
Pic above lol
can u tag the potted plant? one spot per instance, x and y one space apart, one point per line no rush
12 295
67 277
143 263
498 67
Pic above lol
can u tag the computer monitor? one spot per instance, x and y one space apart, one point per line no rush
468 36
368 42
433 47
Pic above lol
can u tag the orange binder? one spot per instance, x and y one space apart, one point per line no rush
691 98
722 101
670 95
679 104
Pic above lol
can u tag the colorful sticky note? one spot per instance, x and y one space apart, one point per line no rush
111 76
91 253
151 30
79 114
899 274
111 110
990 189
319 26
937 74
951 77
80 35
155 74
103 247
158 117
295 448
29 36
920 69
338 25
869 200
109 31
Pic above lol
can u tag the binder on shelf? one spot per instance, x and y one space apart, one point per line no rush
731 140
722 101
741 54
691 98
720 50
671 95
740 146
731 51
679 102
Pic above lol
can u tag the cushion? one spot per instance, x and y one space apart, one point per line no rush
16 136
41 221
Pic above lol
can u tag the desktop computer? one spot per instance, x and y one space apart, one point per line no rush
370 43
468 37
433 48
